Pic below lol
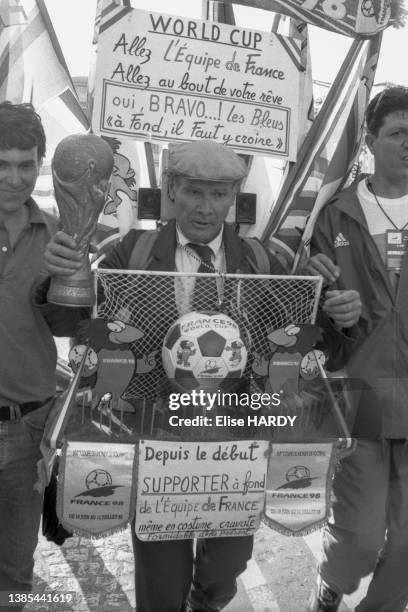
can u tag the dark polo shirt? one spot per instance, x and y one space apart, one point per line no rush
27 348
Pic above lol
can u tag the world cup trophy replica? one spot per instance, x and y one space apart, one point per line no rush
81 168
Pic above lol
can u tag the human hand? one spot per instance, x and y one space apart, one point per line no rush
322 265
62 257
344 307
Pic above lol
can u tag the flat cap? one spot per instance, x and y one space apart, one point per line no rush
205 161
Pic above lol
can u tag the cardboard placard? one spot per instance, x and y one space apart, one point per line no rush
195 489
166 78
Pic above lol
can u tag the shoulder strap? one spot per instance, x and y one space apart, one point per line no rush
143 246
259 254
140 255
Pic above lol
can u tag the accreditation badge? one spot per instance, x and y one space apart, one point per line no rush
96 493
395 247
298 487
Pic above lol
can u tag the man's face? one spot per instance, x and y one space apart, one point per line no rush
201 206
390 147
18 173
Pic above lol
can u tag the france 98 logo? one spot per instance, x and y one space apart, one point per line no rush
98 483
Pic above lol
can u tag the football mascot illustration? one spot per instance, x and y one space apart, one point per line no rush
111 363
293 356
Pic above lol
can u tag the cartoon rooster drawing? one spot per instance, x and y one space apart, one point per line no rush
293 356
114 363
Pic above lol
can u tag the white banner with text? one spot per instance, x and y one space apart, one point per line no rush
166 78
200 489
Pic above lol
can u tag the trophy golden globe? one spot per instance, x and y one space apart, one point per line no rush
81 168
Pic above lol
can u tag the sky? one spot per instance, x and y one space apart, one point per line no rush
73 23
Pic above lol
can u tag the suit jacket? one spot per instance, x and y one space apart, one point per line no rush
239 257
63 321
152 302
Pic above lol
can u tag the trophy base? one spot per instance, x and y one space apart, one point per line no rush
64 293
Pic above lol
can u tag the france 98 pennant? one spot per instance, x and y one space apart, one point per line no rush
298 488
96 494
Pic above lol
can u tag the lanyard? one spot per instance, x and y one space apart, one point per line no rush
370 187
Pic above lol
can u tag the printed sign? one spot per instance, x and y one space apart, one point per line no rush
96 494
298 487
167 78
194 489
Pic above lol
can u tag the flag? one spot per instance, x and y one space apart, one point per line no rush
356 18
13 86
33 69
266 174
327 154
131 169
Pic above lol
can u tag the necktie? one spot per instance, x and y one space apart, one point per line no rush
205 295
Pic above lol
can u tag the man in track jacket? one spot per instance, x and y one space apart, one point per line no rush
362 233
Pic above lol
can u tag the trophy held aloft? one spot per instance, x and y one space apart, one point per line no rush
81 168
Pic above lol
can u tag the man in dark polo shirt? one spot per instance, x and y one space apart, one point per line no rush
28 352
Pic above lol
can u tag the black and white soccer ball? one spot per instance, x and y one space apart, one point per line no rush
204 350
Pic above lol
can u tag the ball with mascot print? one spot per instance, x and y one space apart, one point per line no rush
204 350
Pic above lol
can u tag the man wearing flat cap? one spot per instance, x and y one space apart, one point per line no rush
203 179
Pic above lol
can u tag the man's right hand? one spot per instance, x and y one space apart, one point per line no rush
62 257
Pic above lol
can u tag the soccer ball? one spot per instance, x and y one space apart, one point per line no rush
297 472
309 368
98 478
204 350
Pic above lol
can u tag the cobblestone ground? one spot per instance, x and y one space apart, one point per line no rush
279 577
98 572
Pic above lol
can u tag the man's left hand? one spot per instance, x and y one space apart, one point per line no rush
344 307
321 264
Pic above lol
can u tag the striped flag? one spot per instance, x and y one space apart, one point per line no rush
266 174
33 69
326 156
56 424
13 86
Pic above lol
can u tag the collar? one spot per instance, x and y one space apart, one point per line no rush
164 249
215 244
348 202
35 215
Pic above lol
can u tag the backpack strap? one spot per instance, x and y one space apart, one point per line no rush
140 255
259 254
